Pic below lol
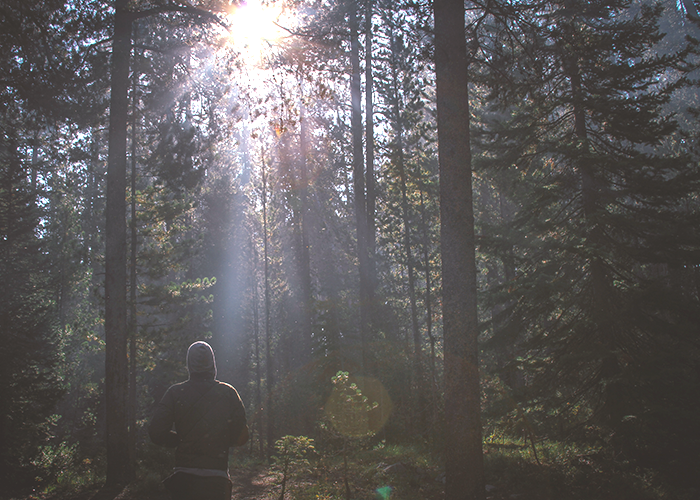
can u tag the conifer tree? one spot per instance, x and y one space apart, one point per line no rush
401 106
120 469
463 451
607 209
28 353
47 69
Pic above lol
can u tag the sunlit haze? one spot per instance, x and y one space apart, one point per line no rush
254 27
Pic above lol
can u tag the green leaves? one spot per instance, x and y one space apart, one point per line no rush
348 408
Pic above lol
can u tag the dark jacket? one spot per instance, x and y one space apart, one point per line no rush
209 418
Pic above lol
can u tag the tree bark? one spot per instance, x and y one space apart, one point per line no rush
359 183
256 333
133 325
305 264
463 451
416 377
429 310
269 373
589 194
120 470
369 153
116 366
406 220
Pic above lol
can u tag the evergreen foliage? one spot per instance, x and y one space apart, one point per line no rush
49 68
605 218
29 348
246 187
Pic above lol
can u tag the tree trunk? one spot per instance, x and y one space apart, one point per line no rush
268 330
589 195
256 428
434 388
119 470
399 156
604 332
132 282
369 154
416 376
463 451
305 264
359 183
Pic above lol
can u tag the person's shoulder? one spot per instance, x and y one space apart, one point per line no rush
178 387
173 391
225 388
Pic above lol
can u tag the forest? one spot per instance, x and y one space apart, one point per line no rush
442 249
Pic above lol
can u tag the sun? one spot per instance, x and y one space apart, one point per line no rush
255 26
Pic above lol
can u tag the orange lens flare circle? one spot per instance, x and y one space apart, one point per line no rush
354 420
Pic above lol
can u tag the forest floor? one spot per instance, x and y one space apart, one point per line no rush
261 482
258 482
402 473
322 479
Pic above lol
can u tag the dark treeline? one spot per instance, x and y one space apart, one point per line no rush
529 280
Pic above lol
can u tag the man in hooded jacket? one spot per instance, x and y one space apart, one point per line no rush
208 418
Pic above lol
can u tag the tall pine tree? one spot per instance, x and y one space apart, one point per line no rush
607 215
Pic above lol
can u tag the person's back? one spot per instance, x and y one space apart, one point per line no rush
208 418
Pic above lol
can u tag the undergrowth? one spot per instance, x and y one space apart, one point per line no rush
385 471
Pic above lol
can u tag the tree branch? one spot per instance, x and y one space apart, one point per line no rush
186 9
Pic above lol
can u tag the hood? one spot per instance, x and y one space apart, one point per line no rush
200 359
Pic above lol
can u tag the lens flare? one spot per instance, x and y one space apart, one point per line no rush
383 493
353 419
